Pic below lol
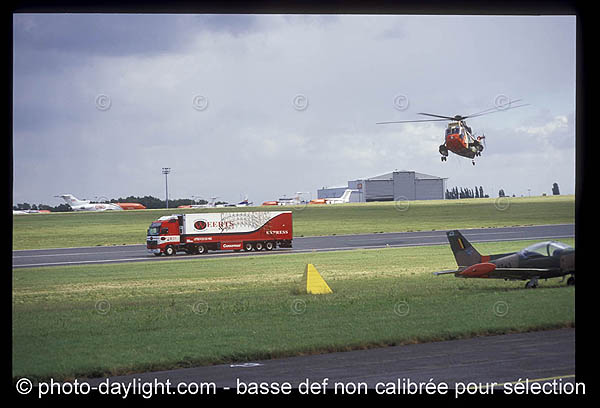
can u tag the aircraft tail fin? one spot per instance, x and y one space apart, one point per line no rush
346 196
72 200
464 253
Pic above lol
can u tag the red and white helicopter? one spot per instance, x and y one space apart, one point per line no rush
459 138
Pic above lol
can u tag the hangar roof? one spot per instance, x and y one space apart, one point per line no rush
390 176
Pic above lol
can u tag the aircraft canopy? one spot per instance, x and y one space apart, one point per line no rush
546 248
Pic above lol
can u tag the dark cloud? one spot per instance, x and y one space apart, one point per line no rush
120 34
98 34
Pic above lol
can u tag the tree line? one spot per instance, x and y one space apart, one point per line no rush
154 203
477 192
465 192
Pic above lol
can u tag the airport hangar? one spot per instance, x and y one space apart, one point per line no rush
394 186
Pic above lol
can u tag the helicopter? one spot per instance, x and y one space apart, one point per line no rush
459 138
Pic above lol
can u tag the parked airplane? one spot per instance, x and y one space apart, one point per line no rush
23 212
543 260
244 203
86 205
131 206
345 198
289 200
295 200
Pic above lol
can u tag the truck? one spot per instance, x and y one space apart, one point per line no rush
197 233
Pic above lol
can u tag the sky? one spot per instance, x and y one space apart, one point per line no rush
265 106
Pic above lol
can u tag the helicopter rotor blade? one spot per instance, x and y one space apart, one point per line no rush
459 118
439 116
411 121
495 109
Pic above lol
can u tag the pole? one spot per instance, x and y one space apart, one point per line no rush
166 171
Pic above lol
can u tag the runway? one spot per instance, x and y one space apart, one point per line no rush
499 361
138 253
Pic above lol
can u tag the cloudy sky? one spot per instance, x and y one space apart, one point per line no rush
270 105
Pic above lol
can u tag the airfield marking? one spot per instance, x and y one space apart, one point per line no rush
75 254
494 384
298 251
534 380
81 262
463 230
381 238
558 377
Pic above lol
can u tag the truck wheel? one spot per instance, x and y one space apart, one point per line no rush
269 246
259 246
170 250
201 249
247 246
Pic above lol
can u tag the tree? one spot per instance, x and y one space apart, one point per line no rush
555 190
501 193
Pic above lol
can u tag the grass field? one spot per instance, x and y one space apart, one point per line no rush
116 319
129 227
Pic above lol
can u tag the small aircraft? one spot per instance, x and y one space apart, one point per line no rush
294 200
23 212
345 198
131 206
86 205
543 260
244 203
459 138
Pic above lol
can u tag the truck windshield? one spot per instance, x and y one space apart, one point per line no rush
154 228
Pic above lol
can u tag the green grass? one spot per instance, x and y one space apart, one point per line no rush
129 227
117 319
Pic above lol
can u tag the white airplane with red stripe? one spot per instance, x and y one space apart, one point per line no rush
86 205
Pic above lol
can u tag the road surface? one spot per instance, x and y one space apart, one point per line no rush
494 361
137 253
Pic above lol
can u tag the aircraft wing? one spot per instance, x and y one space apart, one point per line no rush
446 272
504 273
519 273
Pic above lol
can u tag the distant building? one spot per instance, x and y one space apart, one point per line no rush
394 186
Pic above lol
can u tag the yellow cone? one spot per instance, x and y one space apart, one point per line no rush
313 282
